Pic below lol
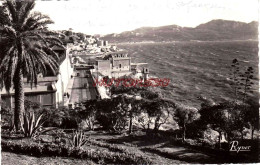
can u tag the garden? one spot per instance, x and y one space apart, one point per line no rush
136 126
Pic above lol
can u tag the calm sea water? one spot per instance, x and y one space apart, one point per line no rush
196 68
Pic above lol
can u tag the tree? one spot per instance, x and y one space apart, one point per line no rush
185 115
25 49
159 111
246 82
252 115
237 119
82 36
218 118
242 83
235 77
132 107
89 113
111 115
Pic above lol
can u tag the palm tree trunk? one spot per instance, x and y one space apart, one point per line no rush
19 98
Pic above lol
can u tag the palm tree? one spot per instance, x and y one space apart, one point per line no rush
25 49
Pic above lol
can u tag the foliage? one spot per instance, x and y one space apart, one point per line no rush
244 115
251 115
116 113
116 148
7 113
241 82
60 117
65 151
6 116
31 106
31 126
158 111
25 49
112 114
185 115
88 114
234 76
216 117
78 139
230 118
246 82
111 147
144 92
144 120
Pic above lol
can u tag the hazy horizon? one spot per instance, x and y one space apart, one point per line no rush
185 26
115 16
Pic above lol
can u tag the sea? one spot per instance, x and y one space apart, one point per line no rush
196 69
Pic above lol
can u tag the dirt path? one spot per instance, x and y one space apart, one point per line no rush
153 157
157 159
158 153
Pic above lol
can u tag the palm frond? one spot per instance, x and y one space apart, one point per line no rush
12 10
32 52
26 11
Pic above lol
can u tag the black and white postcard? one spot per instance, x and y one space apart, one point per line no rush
129 82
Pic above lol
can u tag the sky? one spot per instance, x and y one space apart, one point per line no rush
116 16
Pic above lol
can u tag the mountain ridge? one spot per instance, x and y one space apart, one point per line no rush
217 29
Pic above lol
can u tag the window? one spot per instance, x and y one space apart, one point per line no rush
47 99
120 65
33 98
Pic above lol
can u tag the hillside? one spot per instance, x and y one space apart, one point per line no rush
210 31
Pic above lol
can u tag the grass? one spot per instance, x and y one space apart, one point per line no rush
103 147
94 153
12 158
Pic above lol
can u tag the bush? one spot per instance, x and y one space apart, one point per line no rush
206 143
59 117
54 150
6 116
191 142
31 126
78 139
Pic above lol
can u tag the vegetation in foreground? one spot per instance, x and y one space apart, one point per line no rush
12 158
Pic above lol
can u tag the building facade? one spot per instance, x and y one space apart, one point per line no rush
115 64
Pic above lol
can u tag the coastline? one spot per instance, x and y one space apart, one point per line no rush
162 42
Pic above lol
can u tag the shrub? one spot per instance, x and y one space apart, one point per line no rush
54 150
31 126
6 116
206 142
78 139
121 149
60 117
